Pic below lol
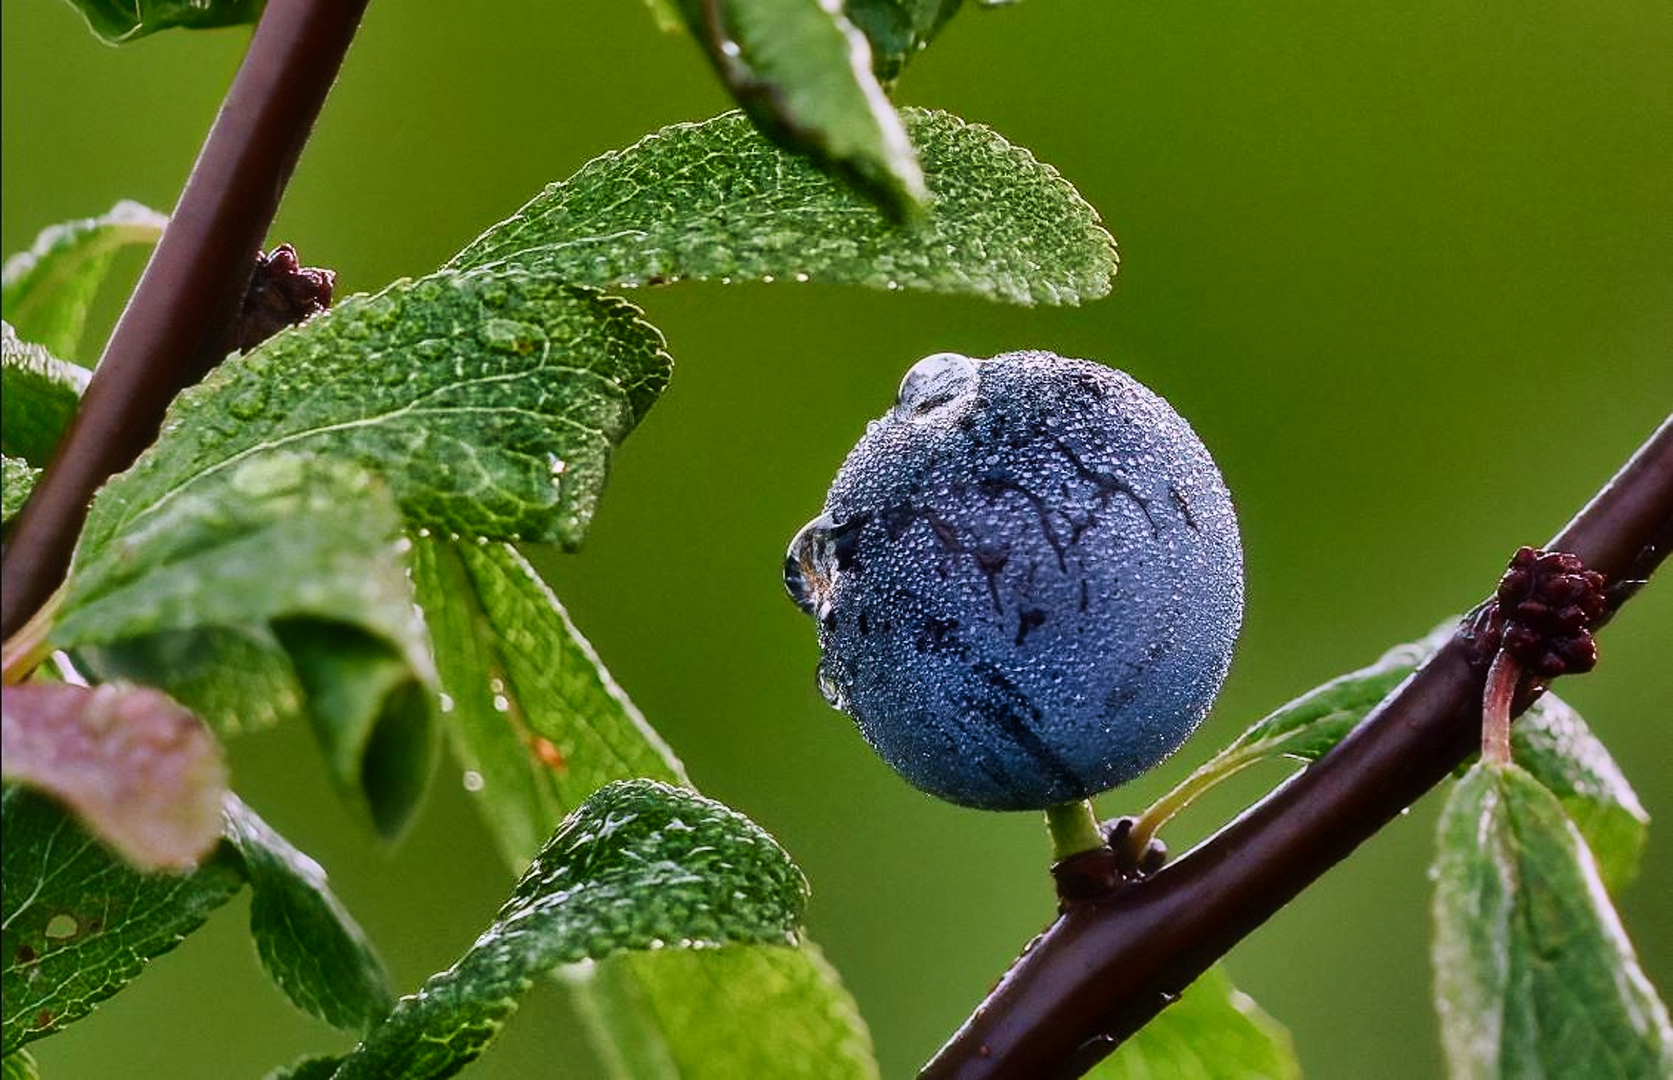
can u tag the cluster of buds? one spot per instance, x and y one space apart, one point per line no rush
282 293
1542 615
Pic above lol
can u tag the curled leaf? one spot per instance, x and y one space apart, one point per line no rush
39 395
803 73
46 291
139 771
120 21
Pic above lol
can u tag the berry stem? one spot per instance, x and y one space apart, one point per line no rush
1101 971
180 320
1074 829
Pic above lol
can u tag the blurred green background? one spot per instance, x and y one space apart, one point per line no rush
1407 268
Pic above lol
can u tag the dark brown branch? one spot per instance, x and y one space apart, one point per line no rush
1102 970
178 324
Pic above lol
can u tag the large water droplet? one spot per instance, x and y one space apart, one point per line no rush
247 402
936 380
805 578
509 335
829 688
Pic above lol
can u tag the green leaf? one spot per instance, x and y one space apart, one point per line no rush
502 639
898 29
45 292
19 1066
1311 725
308 943
715 200
790 1020
313 1067
803 73
17 480
1534 975
237 678
1213 1032
1557 749
39 395
641 865
139 771
119 21
297 559
489 402
1550 741
78 923
538 722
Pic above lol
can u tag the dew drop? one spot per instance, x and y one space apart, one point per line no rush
801 277
445 702
829 689
248 402
935 380
502 703
383 312
473 780
510 336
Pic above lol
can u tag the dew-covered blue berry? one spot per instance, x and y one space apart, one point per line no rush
1027 580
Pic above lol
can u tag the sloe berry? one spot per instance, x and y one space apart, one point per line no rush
1027 580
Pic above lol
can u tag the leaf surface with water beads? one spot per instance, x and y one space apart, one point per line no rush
716 200
640 865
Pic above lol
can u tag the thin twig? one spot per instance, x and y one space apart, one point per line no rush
178 324
1101 971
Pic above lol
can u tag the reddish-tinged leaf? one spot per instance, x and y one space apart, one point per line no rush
139 771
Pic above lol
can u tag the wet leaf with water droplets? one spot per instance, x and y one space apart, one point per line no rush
716 200
500 632
641 865
1534 975
284 565
515 670
502 370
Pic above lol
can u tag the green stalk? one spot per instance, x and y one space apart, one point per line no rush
1074 829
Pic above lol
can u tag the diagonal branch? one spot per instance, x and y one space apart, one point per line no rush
179 322
1101 971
